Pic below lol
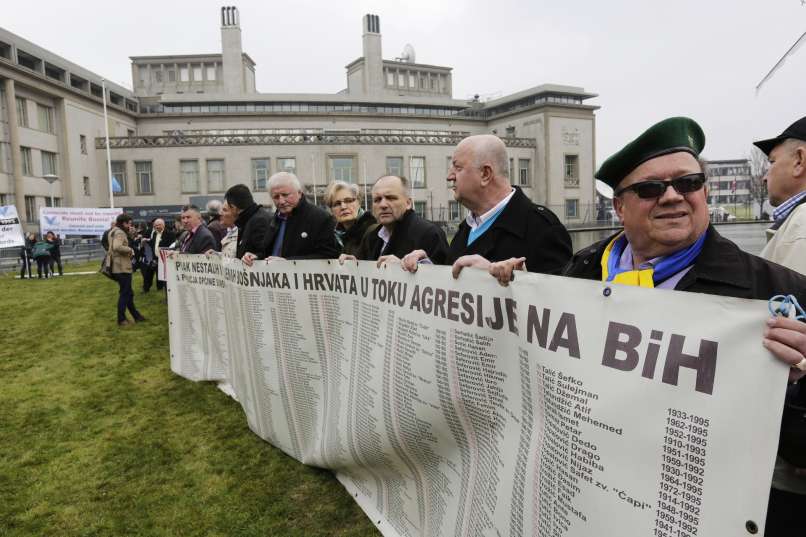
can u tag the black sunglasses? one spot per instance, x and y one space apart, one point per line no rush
655 189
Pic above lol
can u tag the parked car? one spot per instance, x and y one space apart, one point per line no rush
720 214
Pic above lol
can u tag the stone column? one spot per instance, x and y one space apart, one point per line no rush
16 156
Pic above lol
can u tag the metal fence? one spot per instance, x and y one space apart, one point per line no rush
73 251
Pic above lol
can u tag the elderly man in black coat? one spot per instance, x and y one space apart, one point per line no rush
251 219
298 230
401 230
503 222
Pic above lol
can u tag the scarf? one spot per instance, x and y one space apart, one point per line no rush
651 276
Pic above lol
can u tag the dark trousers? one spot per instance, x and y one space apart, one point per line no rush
58 261
26 265
785 515
149 274
42 266
126 296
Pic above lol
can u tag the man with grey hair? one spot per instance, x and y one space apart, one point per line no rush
401 230
502 222
214 222
298 230
159 238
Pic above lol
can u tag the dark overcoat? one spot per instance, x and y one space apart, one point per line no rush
523 229
253 224
308 234
410 233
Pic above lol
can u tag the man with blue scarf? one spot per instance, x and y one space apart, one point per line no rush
667 242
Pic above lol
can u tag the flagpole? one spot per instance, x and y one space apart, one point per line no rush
108 154
366 197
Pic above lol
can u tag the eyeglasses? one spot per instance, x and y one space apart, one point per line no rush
345 202
655 189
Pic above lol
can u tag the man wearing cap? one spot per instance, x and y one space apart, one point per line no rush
786 185
668 243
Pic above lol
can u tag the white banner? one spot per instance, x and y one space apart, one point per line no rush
10 227
65 221
458 407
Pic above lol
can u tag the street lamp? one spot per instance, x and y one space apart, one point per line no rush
51 178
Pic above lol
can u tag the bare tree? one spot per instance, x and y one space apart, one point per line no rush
758 169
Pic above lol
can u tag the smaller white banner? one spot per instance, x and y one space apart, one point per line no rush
10 228
76 220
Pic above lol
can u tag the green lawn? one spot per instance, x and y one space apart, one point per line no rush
98 437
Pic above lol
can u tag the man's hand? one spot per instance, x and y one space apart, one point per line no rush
786 340
386 259
274 258
346 257
475 261
504 271
411 260
248 258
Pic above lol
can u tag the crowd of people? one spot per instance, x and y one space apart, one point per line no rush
45 251
667 242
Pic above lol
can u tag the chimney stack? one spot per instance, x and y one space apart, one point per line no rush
232 51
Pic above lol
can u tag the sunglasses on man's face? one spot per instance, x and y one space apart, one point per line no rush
655 189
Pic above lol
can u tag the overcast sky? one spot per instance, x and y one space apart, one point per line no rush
646 59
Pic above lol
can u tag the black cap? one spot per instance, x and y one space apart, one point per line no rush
796 130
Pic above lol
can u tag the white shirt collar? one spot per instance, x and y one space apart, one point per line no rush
476 221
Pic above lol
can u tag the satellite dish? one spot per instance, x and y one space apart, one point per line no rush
604 190
408 55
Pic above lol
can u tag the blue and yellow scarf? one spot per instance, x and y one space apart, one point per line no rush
648 277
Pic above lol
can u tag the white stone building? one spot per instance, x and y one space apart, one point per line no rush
195 125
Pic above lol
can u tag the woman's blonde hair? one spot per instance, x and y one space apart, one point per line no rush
335 186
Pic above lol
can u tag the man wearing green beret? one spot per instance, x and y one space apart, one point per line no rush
660 197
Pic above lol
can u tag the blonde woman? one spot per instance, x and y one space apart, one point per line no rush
352 222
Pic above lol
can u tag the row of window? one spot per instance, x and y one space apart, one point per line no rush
722 171
49 162
340 168
321 108
44 116
197 72
402 79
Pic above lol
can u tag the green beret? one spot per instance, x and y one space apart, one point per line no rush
669 136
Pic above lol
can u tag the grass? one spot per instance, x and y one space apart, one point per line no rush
98 437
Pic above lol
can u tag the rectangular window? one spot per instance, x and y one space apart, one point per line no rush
45 114
390 78
571 209
401 80
524 172
119 187
394 166
82 140
512 170
5 199
420 208
260 173
184 74
211 72
453 211
30 209
158 76
171 75
287 164
417 172
53 202
342 169
215 175
189 172
197 72
412 82
571 175
145 179
49 163
86 183
22 112
27 164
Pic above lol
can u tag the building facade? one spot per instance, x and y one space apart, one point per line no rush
729 182
195 125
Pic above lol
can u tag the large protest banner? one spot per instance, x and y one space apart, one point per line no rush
10 227
460 407
76 220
